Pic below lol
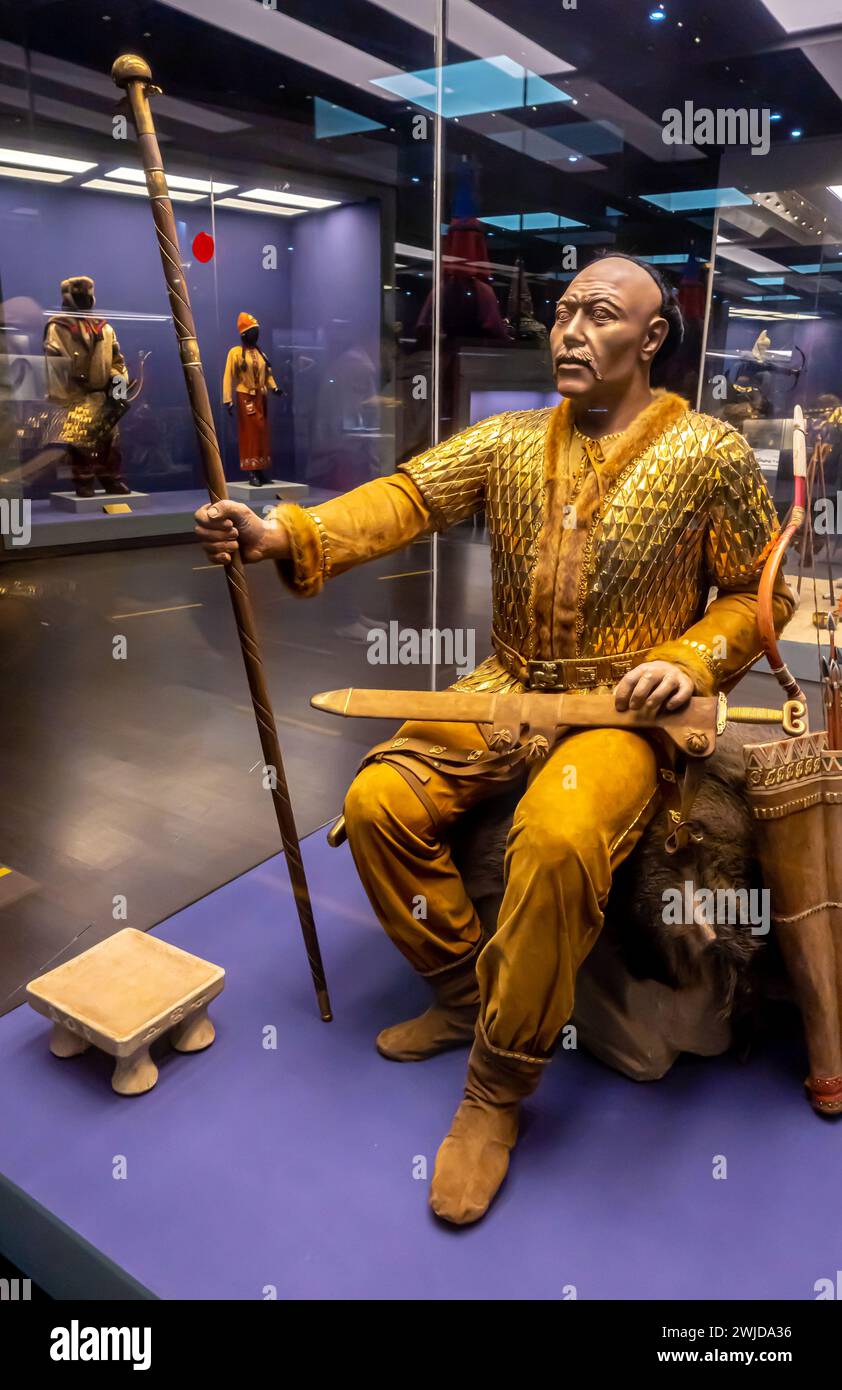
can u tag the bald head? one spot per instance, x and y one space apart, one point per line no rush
626 277
608 328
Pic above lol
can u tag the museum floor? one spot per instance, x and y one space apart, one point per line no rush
141 776
298 1171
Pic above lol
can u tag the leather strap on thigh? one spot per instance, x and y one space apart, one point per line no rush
413 780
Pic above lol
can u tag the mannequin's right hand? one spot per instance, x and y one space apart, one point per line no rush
225 527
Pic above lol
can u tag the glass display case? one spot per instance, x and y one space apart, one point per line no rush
378 207
772 342
291 196
403 267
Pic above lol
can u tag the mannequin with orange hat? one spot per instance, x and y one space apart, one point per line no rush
248 377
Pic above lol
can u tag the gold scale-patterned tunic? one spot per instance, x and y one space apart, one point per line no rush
601 556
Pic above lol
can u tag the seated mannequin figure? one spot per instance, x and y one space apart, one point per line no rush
611 516
87 377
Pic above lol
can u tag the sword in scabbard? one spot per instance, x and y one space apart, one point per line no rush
535 719
133 74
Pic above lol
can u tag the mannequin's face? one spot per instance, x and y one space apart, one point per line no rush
607 328
83 299
250 336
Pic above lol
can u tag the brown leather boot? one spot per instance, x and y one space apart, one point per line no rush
449 1022
474 1158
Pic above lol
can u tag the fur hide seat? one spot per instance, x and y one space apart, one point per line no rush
651 987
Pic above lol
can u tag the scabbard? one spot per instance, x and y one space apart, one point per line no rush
516 717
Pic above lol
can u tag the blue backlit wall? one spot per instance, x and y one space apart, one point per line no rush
333 271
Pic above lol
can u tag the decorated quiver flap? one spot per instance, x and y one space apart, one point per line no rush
86 423
794 789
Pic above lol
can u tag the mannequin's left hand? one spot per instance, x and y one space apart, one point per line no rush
653 686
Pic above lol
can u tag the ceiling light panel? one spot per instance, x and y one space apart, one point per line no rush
752 260
588 137
533 143
803 16
111 186
767 314
36 175
188 185
483 84
796 16
82 79
532 221
65 112
294 40
31 159
420 253
477 31
330 120
698 198
597 103
293 200
245 205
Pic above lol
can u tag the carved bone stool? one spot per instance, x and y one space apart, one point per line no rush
121 995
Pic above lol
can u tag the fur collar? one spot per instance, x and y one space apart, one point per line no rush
561 549
663 411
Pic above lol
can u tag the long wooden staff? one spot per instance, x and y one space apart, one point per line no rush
133 74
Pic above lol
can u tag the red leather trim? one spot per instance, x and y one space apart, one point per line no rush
825 1093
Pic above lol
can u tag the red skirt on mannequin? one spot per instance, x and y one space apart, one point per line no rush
253 430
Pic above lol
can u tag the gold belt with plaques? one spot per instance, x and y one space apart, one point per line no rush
567 673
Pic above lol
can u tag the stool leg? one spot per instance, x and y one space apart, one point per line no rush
63 1043
194 1033
134 1075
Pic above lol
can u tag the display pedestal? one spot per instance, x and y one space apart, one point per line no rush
69 502
265 494
120 996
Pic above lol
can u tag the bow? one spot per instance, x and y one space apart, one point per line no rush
136 384
795 372
768 579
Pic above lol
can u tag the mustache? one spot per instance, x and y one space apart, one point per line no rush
580 356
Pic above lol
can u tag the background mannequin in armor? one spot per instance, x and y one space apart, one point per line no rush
87 378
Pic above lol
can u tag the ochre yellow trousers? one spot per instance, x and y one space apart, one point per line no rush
583 810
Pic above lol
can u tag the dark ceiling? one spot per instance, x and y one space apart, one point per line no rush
719 54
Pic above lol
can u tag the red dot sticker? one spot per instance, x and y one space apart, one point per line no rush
203 247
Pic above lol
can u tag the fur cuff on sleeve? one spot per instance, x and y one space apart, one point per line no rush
305 570
694 658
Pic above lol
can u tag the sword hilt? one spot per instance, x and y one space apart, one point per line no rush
792 716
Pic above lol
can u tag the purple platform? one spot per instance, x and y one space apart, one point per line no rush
293 1167
161 514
